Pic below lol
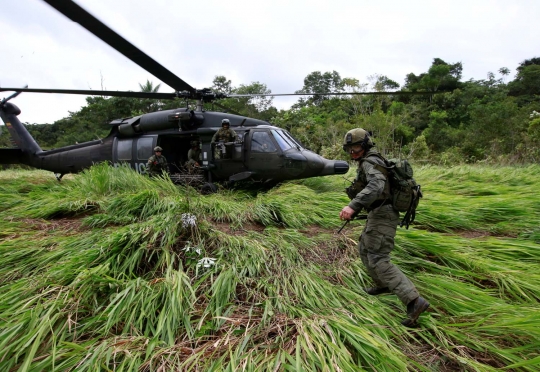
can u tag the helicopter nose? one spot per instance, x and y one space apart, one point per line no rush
335 167
341 167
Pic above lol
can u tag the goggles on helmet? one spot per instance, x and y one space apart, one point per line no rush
353 149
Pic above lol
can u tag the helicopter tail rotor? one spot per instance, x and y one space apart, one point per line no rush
19 134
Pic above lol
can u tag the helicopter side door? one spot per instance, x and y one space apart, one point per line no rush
264 157
133 152
227 160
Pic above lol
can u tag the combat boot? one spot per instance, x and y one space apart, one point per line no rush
414 309
374 291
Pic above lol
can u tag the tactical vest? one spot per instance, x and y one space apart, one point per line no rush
157 164
224 135
361 180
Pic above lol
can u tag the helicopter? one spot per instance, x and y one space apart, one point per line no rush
261 153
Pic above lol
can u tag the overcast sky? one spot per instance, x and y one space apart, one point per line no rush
274 42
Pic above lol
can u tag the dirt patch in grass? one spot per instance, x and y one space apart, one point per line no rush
326 253
278 333
67 226
445 360
330 254
229 229
312 231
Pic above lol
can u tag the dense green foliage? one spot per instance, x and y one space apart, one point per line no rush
465 122
106 271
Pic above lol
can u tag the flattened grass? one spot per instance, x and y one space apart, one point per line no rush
109 270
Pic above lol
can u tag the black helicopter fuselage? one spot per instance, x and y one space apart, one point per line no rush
262 152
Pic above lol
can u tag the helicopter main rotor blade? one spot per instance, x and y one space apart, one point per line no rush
106 93
77 14
329 94
157 95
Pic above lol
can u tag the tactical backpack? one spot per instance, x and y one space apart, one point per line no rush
404 190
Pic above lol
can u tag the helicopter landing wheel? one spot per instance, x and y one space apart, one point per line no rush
208 188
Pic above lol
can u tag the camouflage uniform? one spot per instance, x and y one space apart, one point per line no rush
194 156
377 239
156 165
225 135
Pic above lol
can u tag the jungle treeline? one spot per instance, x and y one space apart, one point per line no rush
495 120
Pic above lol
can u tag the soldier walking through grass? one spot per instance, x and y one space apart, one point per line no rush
371 191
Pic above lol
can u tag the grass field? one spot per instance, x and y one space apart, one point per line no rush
112 271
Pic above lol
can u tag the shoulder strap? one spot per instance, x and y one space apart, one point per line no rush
382 168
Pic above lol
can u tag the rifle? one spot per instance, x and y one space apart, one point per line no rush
355 216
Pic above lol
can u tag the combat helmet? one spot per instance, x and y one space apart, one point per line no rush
157 148
357 136
225 122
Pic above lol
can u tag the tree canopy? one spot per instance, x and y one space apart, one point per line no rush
465 121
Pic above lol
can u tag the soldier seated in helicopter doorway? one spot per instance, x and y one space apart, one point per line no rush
224 135
157 163
194 156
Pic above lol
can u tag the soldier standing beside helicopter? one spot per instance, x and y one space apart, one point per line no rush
157 163
371 191
225 134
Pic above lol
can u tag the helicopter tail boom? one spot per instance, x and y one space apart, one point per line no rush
20 136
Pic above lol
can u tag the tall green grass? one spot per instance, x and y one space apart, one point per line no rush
106 270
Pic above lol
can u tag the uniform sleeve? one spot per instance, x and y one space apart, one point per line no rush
150 163
373 189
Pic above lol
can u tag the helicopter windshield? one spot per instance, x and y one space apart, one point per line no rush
296 143
281 140
285 140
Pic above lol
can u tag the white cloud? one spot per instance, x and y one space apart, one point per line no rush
277 43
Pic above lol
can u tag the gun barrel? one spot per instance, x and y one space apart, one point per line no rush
355 217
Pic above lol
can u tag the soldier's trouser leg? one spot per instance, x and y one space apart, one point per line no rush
376 243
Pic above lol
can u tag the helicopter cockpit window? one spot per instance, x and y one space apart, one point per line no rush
124 149
144 148
261 142
282 141
293 140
